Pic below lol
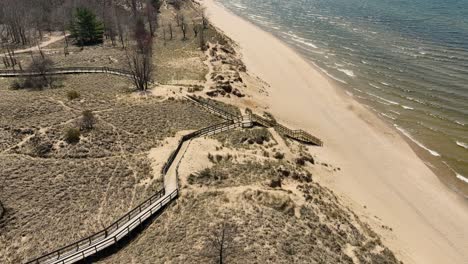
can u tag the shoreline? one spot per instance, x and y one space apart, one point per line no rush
444 172
381 171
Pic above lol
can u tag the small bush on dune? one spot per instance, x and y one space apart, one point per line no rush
279 155
87 120
72 135
16 85
72 95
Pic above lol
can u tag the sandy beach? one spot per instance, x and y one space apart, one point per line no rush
381 177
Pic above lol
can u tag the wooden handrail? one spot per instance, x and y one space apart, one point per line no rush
104 238
296 134
222 113
105 231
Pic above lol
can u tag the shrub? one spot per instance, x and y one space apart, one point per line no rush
41 148
210 157
279 155
30 82
16 85
72 135
72 95
88 120
276 182
302 160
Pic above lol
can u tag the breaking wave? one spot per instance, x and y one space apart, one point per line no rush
408 135
462 144
350 73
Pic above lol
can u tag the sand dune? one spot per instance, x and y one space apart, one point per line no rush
379 169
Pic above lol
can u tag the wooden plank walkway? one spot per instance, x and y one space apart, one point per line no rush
126 224
299 135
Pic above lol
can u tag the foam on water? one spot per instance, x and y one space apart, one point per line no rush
407 107
329 75
350 73
388 116
461 177
383 99
459 123
408 135
462 144
300 40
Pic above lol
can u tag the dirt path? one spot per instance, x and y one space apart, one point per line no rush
52 39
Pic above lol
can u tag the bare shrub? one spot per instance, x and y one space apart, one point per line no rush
41 65
202 40
72 95
87 120
72 135
279 155
41 148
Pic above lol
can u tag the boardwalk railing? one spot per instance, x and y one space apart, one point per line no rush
119 229
211 130
66 70
214 109
300 135
110 235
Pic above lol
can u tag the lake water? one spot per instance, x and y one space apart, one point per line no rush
406 60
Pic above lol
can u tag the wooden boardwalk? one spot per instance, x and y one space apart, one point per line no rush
126 224
252 118
129 222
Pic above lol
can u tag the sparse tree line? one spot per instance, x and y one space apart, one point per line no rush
24 22
131 23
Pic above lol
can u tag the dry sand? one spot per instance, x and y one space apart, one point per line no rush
381 177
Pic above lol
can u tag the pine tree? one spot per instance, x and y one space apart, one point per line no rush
85 27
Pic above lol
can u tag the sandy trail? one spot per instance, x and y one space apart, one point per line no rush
52 39
379 169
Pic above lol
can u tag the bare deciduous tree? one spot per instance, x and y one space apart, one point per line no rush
170 31
152 17
220 246
183 27
195 29
2 209
42 65
140 59
201 39
204 19
177 4
120 27
141 68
